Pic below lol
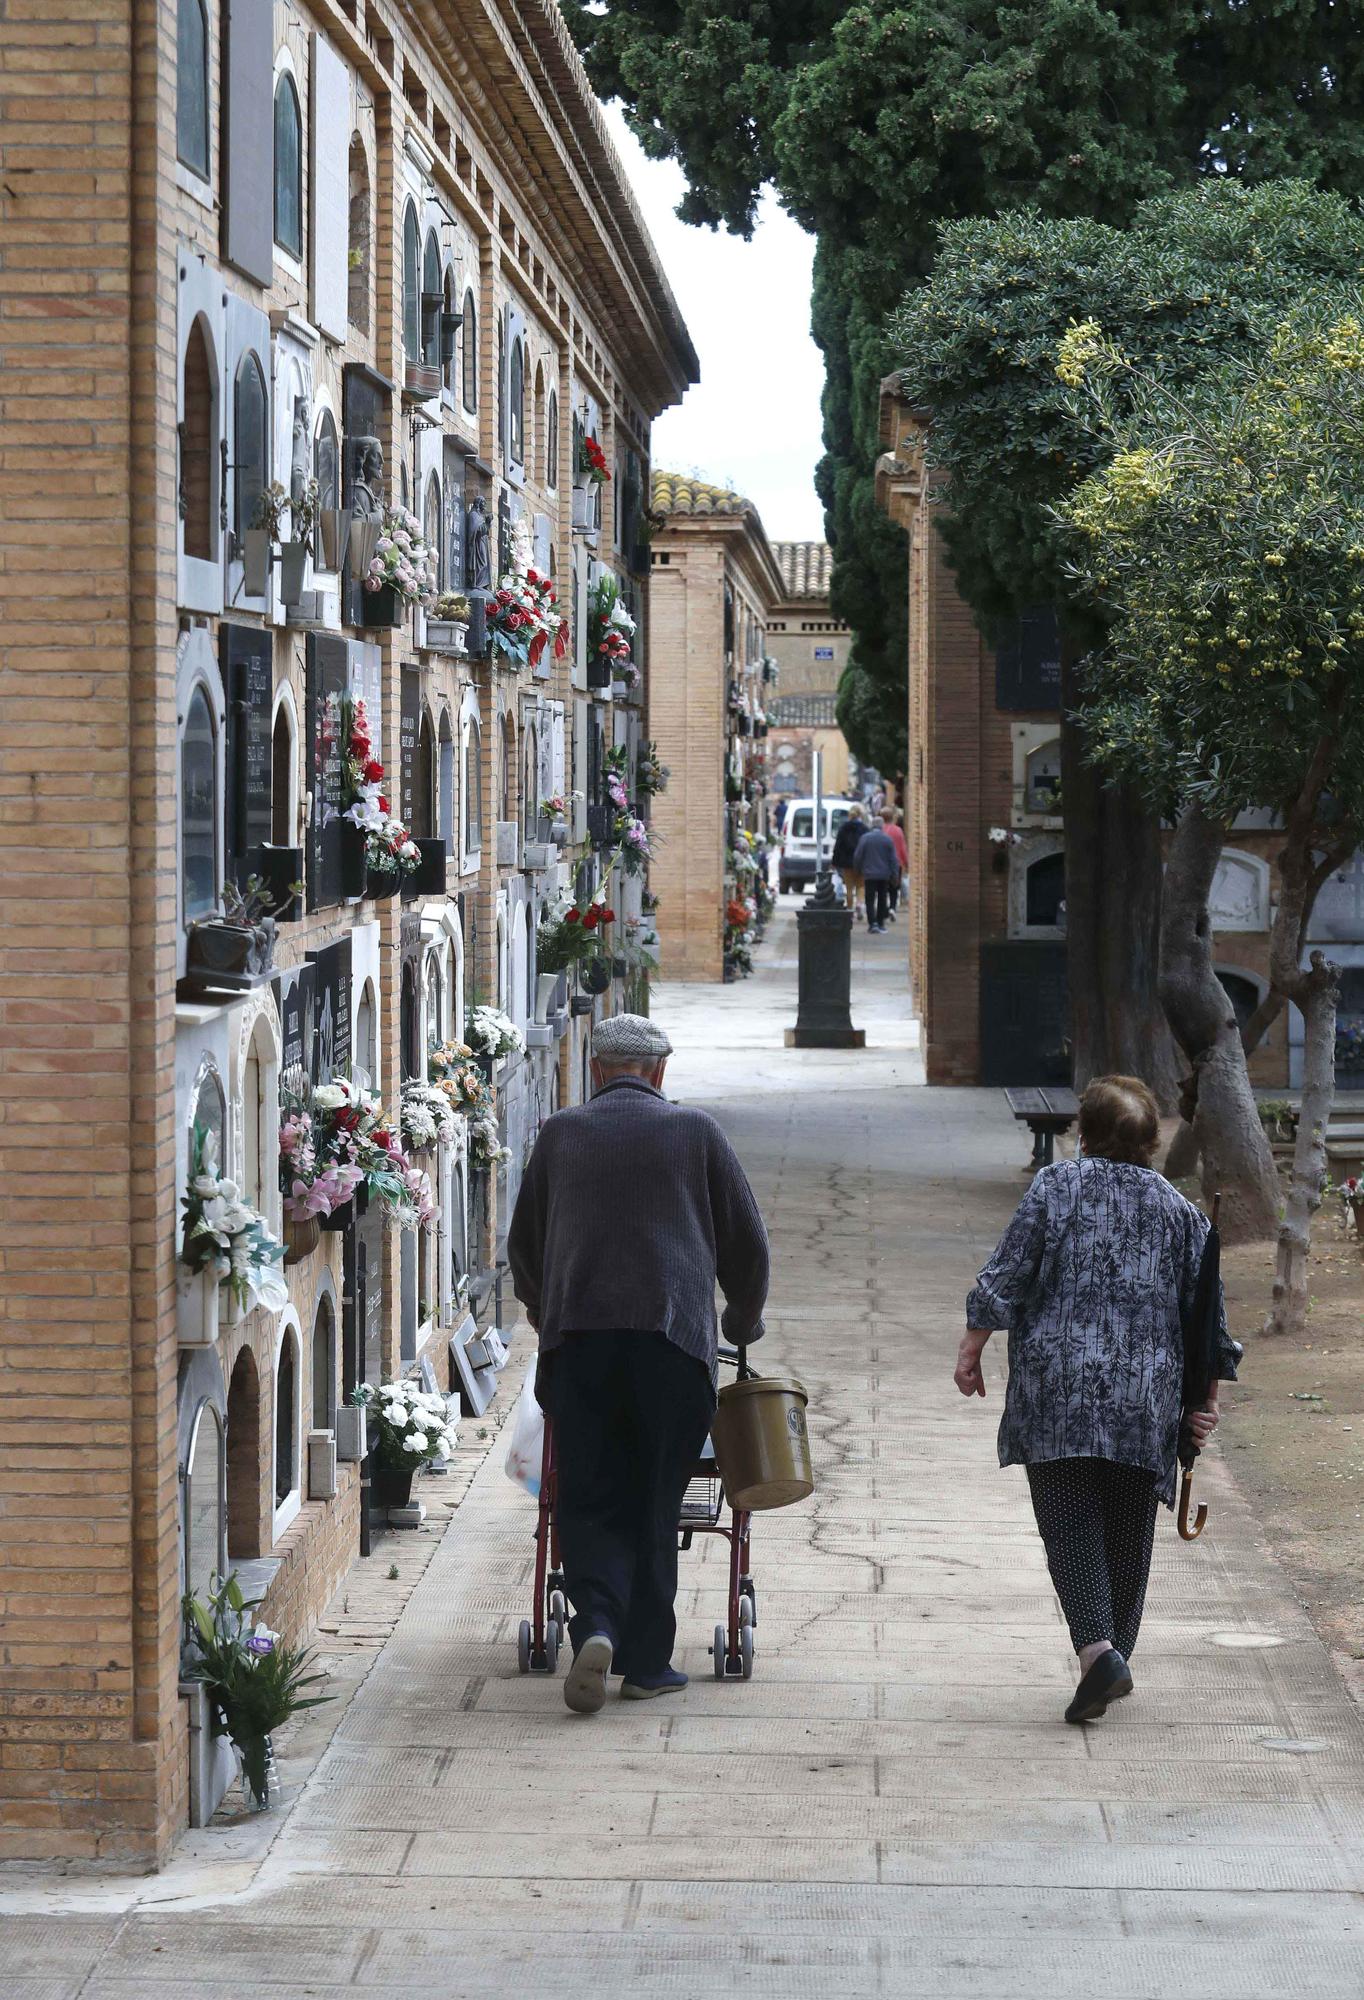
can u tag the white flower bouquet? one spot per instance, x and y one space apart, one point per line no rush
490 1033
225 1235
426 1114
414 1426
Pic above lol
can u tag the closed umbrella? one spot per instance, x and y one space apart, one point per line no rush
1202 1327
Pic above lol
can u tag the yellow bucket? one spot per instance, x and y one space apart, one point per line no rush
761 1443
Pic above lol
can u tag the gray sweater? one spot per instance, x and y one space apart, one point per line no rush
630 1211
876 858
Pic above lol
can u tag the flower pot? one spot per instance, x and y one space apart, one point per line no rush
546 986
429 878
381 881
594 974
390 1484
999 859
301 1238
601 825
620 968
599 673
260 1778
584 509
281 870
222 957
293 567
580 1004
447 635
333 535
255 562
382 609
421 383
558 832
196 1307
619 690
354 861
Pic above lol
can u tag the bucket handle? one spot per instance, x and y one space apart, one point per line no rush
739 1355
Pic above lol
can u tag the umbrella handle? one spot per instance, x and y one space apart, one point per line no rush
1187 1533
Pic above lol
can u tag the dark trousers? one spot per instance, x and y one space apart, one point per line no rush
631 1412
878 901
893 888
1098 1522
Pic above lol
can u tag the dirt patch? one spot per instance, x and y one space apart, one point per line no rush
1293 1430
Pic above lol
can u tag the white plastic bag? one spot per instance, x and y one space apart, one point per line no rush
526 1448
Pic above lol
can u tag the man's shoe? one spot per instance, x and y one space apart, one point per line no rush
585 1687
1109 1679
645 1686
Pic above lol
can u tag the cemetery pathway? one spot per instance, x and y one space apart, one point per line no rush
892 1806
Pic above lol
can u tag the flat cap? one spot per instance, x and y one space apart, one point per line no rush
629 1038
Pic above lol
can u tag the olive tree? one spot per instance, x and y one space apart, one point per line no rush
1224 537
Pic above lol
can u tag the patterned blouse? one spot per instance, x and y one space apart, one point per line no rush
1089 1278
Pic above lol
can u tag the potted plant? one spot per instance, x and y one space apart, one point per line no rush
590 471
254 1680
317 1182
225 1241
447 623
610 632
267 533
235 951
402 572
351 1128
281 877
411 1428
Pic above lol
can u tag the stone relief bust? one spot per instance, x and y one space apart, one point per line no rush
478 562
300 456
367 477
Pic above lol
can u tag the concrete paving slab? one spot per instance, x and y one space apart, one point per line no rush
892 1806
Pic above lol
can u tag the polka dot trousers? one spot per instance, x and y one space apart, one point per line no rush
1098 1522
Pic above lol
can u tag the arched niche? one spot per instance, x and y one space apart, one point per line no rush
243 1453
1037 886
287 1454
324 1355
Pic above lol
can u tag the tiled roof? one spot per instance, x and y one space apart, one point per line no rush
675 493
804 567
802 711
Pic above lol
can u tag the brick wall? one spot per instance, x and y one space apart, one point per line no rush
687 720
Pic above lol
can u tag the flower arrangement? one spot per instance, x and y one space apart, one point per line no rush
403 561
554 807
275 501
414 1426
457 1076
572 933
315 1181
492 1033
1003 836
388 844
426 1115
349 1127
651 774
738 914
225 1235
610 631
521 615
255 1682
591 462
1350 1045
632 843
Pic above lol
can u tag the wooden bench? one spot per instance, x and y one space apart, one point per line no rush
1045 1113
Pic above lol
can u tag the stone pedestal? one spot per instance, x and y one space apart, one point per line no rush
824 985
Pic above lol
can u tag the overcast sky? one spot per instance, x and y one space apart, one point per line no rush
753 421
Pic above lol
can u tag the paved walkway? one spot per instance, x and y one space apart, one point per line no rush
892 1805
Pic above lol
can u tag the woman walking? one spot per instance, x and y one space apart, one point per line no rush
1091 1278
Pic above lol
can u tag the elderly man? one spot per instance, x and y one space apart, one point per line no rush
632 1209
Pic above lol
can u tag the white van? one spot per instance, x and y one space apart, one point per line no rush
796 868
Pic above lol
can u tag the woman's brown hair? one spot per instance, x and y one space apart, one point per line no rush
1120 1120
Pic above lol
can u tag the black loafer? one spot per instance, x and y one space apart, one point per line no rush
1109 1679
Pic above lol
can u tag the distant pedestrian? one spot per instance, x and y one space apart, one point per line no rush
890 819
1091 1278
843 858
631 1211
879 865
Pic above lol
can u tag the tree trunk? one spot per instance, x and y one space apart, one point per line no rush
1317 998
1113 892
1236 1156
1314 988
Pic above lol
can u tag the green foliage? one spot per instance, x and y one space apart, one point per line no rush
879 121
254 1680
1225 535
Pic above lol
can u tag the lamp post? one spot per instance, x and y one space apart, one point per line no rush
824 956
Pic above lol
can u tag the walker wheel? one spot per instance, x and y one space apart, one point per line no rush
747 1589
746 1650
718 1651
746 1617
523 1646
558 1613
551 1648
